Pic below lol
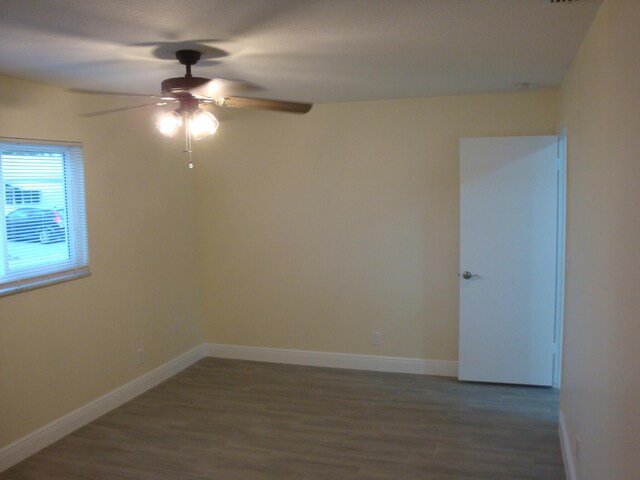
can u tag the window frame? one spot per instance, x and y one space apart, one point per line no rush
77 265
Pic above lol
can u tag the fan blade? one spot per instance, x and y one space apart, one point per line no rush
120 94
223 87
264 104
114 110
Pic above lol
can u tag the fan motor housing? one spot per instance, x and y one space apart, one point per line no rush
182 86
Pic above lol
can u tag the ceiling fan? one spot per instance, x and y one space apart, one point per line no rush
192 93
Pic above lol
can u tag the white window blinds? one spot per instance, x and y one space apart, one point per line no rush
43 233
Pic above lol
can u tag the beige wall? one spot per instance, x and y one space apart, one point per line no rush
64 345
318 230
601 377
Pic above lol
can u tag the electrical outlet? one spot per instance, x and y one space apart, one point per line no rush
177 326
140 356
577 452
375 339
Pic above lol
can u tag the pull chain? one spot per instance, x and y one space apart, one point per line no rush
187 139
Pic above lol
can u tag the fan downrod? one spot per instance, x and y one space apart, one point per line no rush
188 58
181 87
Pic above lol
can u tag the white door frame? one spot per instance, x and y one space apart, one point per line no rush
560 253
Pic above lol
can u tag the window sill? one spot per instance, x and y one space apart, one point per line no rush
43 281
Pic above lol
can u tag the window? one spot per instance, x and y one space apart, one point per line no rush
43 233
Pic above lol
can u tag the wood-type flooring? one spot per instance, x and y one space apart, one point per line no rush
237 420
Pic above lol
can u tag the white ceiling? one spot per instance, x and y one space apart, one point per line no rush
307 50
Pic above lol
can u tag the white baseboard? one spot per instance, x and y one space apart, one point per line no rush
567 451
444 368
45 436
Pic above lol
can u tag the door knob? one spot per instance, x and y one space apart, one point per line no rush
467 275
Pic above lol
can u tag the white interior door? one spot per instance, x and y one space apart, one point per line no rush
508 238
